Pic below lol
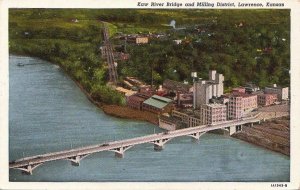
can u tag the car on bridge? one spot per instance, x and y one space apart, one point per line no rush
105 144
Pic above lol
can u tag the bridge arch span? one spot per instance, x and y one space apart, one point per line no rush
75 160
28 169
119 152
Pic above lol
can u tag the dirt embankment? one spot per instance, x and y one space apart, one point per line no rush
273 135
129 113
122 111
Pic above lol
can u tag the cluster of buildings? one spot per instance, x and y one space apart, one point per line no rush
138 38
182 105
155 104
145 97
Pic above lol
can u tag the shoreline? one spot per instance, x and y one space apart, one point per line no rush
123 112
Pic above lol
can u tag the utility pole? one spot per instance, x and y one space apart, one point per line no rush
125 45
151 75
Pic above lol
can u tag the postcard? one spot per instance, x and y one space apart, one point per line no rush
149 94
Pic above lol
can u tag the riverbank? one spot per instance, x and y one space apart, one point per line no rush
273 135
120 111
129 113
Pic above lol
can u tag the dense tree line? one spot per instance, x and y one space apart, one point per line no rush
244 45
244 50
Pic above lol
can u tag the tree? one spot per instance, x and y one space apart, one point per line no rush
99 76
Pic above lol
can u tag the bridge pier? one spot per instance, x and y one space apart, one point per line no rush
197 135
119 152
232 130
159 144
27 170
239 128
119 155
75 160
158 147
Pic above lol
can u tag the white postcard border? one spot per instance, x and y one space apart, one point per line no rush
295 100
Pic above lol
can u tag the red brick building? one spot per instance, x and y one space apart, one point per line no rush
136 101
239 90
213 113
147 90
266 99
239 104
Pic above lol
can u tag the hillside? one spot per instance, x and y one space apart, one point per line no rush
244 45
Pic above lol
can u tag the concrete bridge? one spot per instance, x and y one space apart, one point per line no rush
28 164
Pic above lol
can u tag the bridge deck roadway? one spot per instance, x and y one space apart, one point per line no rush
123 143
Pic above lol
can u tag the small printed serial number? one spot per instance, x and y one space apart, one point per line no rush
278 185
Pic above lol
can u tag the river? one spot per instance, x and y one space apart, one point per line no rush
48 112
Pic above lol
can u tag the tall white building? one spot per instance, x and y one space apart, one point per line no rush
204 90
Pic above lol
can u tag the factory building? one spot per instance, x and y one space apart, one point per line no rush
213 113
235 110
239 90
266 99
188 117
204 90
183 92
158 104
169 123
282 92
136 101
240 104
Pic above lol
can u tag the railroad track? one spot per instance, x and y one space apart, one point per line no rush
109 54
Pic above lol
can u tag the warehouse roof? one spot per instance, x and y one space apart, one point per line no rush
158 101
